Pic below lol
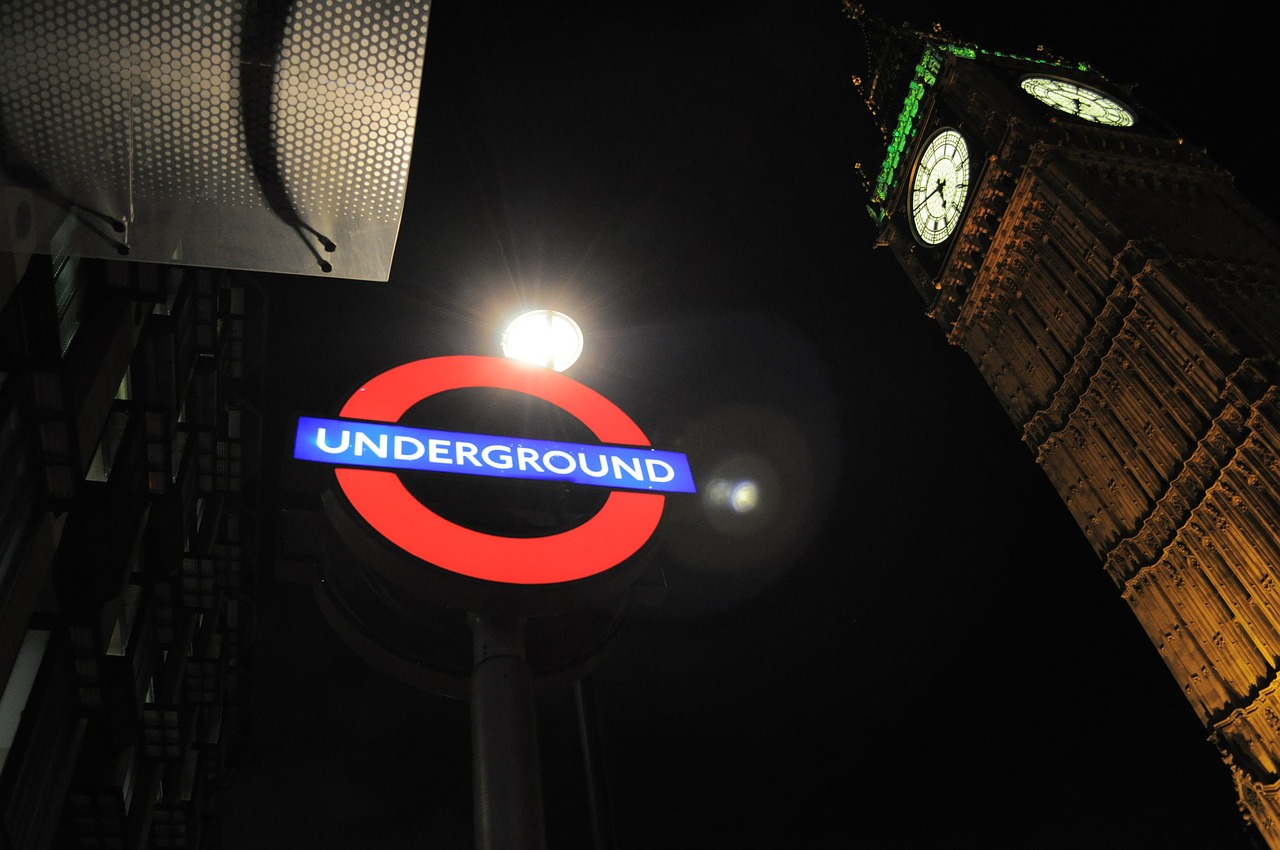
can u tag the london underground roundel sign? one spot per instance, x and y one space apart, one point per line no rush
369 448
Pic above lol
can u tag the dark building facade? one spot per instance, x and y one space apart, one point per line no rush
1122 300
127 536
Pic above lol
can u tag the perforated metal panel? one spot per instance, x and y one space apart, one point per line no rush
250 134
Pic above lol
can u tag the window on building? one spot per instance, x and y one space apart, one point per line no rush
13 702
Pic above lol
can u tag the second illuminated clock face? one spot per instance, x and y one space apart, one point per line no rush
1079 100
940 186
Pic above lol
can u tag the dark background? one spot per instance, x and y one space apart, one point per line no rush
914 647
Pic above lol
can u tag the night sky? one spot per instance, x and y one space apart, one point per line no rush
913 646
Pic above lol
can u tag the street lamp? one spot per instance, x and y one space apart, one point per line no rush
546 337
507 783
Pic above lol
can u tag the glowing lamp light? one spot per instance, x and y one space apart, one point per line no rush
545 337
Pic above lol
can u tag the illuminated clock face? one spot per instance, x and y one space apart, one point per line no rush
939 187
1079 100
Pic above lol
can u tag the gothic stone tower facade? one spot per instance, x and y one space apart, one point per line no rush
1122 300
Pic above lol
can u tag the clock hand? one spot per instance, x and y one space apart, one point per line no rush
936 190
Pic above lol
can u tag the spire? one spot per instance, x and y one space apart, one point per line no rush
901 63
891 56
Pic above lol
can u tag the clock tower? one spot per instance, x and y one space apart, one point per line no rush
1122 300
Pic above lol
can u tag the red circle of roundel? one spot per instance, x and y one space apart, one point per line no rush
614 534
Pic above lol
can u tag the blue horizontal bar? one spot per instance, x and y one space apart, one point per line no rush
347 442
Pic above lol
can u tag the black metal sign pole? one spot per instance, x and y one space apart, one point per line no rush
506 774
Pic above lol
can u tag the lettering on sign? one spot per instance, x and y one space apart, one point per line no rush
368 444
